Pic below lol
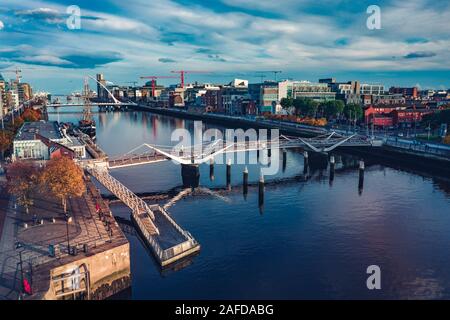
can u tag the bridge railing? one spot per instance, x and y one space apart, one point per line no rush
123 193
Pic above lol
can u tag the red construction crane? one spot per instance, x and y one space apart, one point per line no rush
154 81
183 72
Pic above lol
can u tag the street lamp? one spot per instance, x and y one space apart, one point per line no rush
68 220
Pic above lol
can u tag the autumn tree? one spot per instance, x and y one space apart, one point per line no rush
31 115
63 179
23 179
5 141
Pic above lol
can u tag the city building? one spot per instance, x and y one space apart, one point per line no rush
43 140
372 89
268 97
405 92
320 92
388 99
408 118
24 91
210 99
102 94
349 91
12 98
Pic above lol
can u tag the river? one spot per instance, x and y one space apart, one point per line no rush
311 240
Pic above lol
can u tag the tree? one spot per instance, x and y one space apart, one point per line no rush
287 103
31 115
5 141
305 106
437 118
63 179
353 111
333 108
23 180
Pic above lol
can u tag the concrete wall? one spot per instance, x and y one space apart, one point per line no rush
109 272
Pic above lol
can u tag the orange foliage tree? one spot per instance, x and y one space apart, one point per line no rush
23 179
63 179
5 141
31 115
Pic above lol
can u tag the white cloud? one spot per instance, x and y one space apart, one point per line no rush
1 25
294 41
46 59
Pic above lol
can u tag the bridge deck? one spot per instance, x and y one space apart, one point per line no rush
164 236
135 160
168 236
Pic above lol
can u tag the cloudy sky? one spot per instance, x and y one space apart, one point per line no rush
306 39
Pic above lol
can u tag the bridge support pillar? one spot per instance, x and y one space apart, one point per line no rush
229 174
190 175
361 176
261 193
211 169
305 162
332 165
284 160
245 182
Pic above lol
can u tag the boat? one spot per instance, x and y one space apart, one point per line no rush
87 124
87 127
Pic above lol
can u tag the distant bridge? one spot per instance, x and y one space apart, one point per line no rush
106 104
115 102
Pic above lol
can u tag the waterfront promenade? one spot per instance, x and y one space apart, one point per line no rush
34 247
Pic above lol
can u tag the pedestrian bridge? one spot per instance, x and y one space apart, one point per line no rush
168 241
198 154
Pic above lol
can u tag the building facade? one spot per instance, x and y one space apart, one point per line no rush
40 140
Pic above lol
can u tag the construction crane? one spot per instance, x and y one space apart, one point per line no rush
274 72
153 78
262 76
17 71
183 72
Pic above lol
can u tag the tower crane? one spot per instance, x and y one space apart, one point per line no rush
274 72
182 75
153 78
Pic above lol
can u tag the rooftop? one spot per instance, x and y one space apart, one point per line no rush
49 130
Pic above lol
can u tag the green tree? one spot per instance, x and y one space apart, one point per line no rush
333 108
353 111
437 118
305 106
287 103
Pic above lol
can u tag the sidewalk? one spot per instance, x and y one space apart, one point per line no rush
46 224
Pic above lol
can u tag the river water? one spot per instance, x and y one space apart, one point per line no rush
312 239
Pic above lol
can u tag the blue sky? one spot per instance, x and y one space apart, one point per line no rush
305 39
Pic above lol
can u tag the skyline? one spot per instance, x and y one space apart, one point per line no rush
229 38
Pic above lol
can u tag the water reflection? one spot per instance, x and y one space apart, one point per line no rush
315 238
